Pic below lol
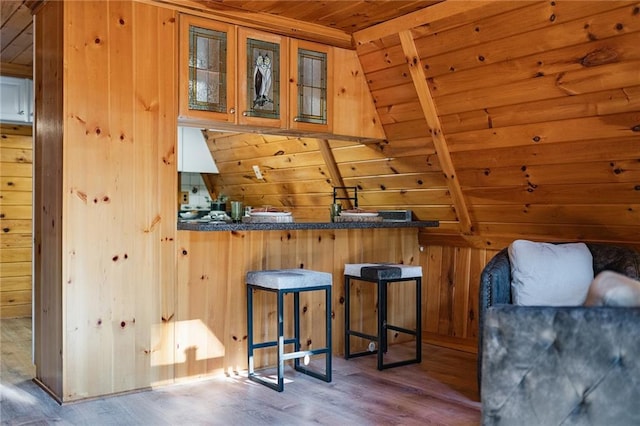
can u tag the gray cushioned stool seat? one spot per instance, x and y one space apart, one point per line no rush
382 274
281 282
279 279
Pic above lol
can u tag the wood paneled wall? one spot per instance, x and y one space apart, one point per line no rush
538 104
211 304
16 164
106 124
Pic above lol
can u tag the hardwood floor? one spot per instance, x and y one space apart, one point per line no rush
441 390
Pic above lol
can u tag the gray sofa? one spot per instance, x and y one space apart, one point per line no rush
558 365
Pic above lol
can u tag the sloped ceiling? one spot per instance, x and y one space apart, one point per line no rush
503 120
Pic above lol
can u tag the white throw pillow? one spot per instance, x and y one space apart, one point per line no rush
544 274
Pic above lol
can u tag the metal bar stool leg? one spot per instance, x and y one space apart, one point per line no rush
328 339
280 341
382 331
419 320
347 318
296 326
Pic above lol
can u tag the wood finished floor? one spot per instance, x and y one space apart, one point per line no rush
441 390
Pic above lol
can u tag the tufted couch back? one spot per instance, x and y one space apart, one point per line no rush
549 365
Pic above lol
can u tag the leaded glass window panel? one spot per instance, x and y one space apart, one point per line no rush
207 69
312 87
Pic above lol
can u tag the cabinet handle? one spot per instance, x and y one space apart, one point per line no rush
296 119
246 113
21 112
232 111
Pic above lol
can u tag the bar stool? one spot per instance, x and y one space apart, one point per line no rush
382 275
281 282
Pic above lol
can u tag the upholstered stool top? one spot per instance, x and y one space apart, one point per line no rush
279 279
382 271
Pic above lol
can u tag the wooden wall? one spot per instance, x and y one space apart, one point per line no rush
211 303
537 105
105 197
16 163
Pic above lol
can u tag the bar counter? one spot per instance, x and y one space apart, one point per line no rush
206 226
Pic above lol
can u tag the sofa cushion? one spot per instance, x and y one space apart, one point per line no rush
613 289
545 274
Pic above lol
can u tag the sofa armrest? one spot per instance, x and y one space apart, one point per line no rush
561 365
495 288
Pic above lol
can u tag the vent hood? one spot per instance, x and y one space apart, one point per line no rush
193 152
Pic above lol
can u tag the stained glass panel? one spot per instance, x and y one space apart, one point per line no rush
263 79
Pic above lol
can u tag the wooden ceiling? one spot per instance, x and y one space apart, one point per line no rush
332 21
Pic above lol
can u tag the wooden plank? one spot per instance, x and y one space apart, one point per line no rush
15 155
15 183
256 150
15 240
16 311
276 162
15 269
439 140
614 149
406 197
605 171
561 232
580 214
16 198
17 169
393 182
620 48
19 297
583 105
16 283
22 254
578 129
390 166
271 176
605 193
443 58
589 80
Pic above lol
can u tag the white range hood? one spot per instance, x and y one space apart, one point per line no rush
193 152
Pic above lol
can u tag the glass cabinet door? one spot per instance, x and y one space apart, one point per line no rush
207 69
311 77
262 66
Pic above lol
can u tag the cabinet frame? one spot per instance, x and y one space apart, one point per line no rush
186 21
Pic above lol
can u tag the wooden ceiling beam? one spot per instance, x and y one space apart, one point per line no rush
433 121
334 171
15 70
264 21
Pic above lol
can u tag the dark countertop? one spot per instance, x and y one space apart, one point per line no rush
195 226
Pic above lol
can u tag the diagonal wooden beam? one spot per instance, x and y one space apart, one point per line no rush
433 121
332 168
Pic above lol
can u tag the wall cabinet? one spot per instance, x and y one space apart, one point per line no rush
16 102
207 70
241 79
